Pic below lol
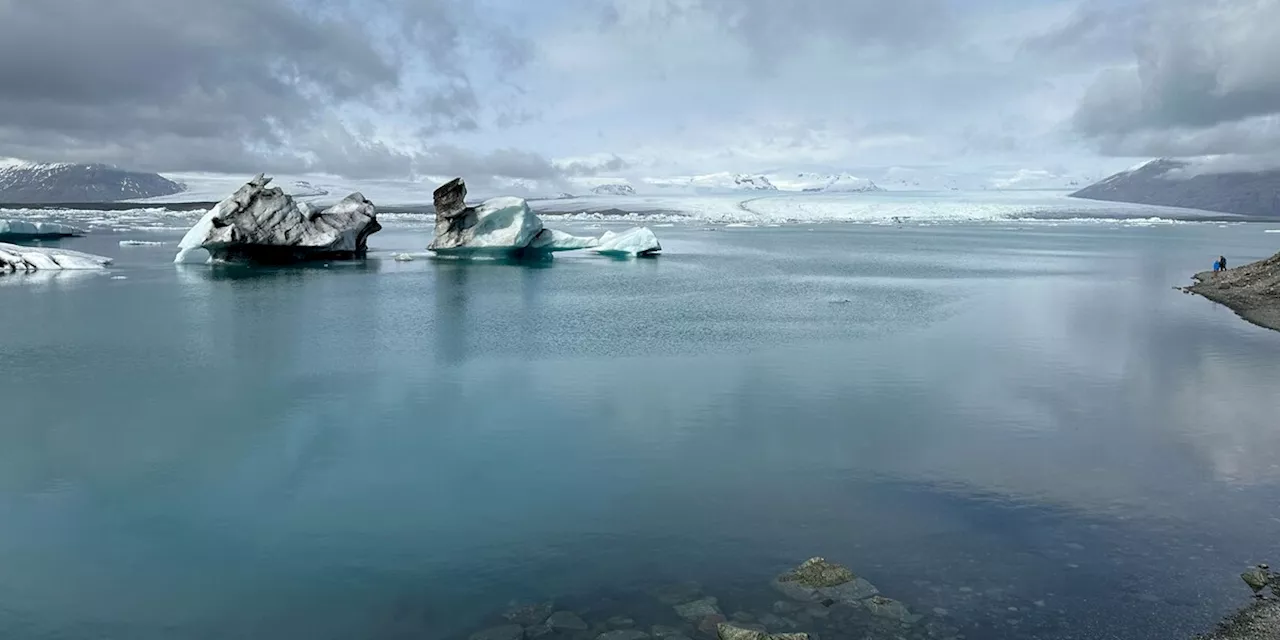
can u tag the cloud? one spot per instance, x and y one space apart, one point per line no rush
277 85
1203 80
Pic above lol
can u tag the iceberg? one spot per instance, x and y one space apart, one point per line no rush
20 230
637 241
262 224
19 258
507 227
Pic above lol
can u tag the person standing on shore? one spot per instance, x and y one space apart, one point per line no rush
1222 263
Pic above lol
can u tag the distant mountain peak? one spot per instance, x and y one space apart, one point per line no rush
24 182
614 189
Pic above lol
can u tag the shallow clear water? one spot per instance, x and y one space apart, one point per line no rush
1022 424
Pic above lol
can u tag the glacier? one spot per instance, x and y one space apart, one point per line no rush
508 227
21 230
262 224
19 258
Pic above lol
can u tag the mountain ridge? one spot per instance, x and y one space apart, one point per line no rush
62 182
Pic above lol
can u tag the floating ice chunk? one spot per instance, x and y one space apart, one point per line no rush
22 230
261 223
552 240
140 243
498 226
637 241
19 258
403 257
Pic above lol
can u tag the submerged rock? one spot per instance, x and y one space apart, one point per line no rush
261 224
728 631
678 593
625 634
20 258
883 607
566 621
509 632
529 614
698 609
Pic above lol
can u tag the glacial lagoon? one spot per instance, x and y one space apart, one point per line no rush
1018 429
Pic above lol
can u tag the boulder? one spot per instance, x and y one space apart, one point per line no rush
19 258
728 631
817 572
262 224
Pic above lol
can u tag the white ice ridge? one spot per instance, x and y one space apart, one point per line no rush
19 258
23 229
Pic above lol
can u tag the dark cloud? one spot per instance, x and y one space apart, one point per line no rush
1203 80
239 85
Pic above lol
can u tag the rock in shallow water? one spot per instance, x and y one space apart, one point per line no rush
261 224
816 573
729 631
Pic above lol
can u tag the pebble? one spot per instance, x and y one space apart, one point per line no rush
939 611
698 609
567 620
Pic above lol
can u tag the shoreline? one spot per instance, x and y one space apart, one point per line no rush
1259 620
1252 291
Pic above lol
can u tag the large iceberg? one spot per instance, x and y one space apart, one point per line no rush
507 227
263 224
21 230
15 257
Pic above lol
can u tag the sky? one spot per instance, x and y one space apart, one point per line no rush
565 92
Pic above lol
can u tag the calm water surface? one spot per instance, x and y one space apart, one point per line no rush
1023 425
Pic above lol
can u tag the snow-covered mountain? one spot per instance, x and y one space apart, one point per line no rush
1181 183
616 189
32 183
830 183
731 182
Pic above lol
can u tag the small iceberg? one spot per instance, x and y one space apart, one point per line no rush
19 258
638 241
140 243
507 227
18 230
262 224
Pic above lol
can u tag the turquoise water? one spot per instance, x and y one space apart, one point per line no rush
1021 424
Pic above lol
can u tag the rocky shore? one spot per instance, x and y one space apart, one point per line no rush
1252 290
818 599
1261 619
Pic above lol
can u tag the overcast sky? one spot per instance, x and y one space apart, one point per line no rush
553 89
